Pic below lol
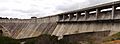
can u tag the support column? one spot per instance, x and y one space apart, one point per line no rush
71 16
78 15
113 11
63 17
97 13
86 14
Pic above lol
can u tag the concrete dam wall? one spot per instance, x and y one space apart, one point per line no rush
71 23
74 28
27 30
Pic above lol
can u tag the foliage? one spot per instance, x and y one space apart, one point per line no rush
7 40
113 37
43 39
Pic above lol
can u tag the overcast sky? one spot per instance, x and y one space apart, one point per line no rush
40 8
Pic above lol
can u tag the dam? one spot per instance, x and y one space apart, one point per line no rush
104 18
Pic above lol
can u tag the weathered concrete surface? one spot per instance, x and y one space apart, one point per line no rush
4 31
85 38
80 38
74 28
27 30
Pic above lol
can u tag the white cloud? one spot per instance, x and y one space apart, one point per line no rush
40 8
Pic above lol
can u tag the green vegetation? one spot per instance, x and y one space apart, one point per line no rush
31 41
113 37
7 40
48 39
43 39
